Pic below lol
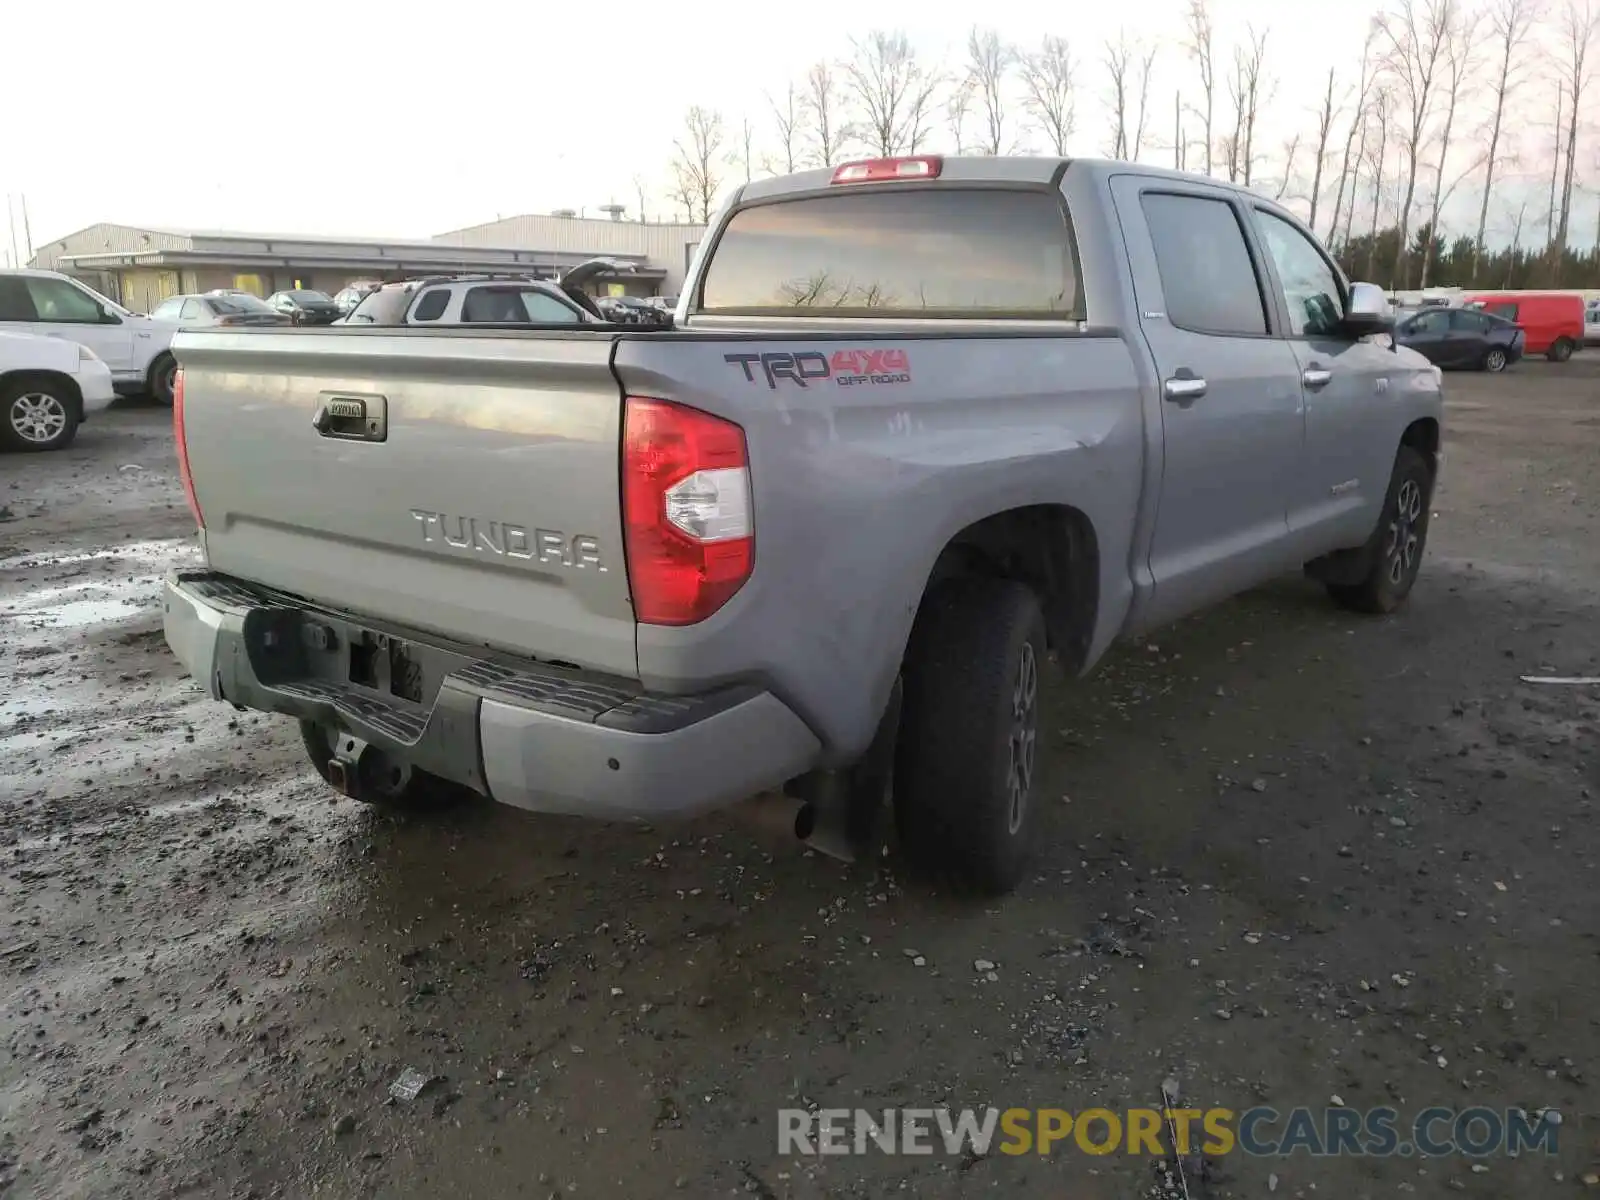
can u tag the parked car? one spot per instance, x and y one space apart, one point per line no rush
347 297
469 300
304 306
1461 338
825 535
48 387
218 308
632 310
1551 322
135 348
488 299
1591 322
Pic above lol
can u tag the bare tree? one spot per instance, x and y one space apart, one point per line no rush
1378 152
1510 22
822 102
1325 117
1413 41
957 108
1179 149
1118 59
1516 242
1579 24
892 89
1555 166
742 156
1459 53
1247 88
639 190
1350 166
1291 149
990 61
697 155
1047 86
788 119
1147 62
1197 25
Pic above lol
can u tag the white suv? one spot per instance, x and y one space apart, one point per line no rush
134 347
48 386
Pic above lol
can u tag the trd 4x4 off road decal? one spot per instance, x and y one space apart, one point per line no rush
846 368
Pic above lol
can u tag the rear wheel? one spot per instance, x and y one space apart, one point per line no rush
965 755
38 414
1394 553
386 785
1561 350
163 379
1494 360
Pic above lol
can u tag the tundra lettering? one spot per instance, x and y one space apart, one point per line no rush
505 540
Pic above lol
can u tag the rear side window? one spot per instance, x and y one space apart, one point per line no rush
1207 276
432 305
924 252
1501 308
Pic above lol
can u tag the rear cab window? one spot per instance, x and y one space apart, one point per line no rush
1207 274
898 252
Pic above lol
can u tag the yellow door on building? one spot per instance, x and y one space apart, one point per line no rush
251 284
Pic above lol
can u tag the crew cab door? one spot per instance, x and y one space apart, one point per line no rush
1232 418
1350 439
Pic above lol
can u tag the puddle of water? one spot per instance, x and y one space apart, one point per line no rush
157 552
80 605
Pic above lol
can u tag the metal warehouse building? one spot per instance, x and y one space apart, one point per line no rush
140 267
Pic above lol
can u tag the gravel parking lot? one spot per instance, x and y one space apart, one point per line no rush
1289 855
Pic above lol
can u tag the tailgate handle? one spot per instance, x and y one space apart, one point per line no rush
352 418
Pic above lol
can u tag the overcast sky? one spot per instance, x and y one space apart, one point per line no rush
408 120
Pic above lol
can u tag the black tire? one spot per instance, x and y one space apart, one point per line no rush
162 372
417 791
1494 360
38 414
1398 543
1561 350
965 756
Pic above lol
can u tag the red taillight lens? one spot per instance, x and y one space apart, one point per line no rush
181 439
686 509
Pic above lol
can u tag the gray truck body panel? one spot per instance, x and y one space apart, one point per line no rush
508 442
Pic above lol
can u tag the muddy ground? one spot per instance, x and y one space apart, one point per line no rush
1289 855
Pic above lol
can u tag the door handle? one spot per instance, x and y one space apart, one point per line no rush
352 418
1316 378
1184 388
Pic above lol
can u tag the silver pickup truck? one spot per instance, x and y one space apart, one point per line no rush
922 425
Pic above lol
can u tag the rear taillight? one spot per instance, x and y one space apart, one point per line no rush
688 525
181 439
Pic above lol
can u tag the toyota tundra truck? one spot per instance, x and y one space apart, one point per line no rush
922 428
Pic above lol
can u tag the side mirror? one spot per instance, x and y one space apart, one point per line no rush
1368 311
107 317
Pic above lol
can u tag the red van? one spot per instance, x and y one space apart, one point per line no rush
1551 322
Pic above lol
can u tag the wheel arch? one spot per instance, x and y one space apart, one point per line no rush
1422 435
1053 548
67 383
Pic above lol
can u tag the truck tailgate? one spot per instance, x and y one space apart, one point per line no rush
461 483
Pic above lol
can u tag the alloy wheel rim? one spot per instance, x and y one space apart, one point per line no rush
38 417
1404 540
1496 360
1023 735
